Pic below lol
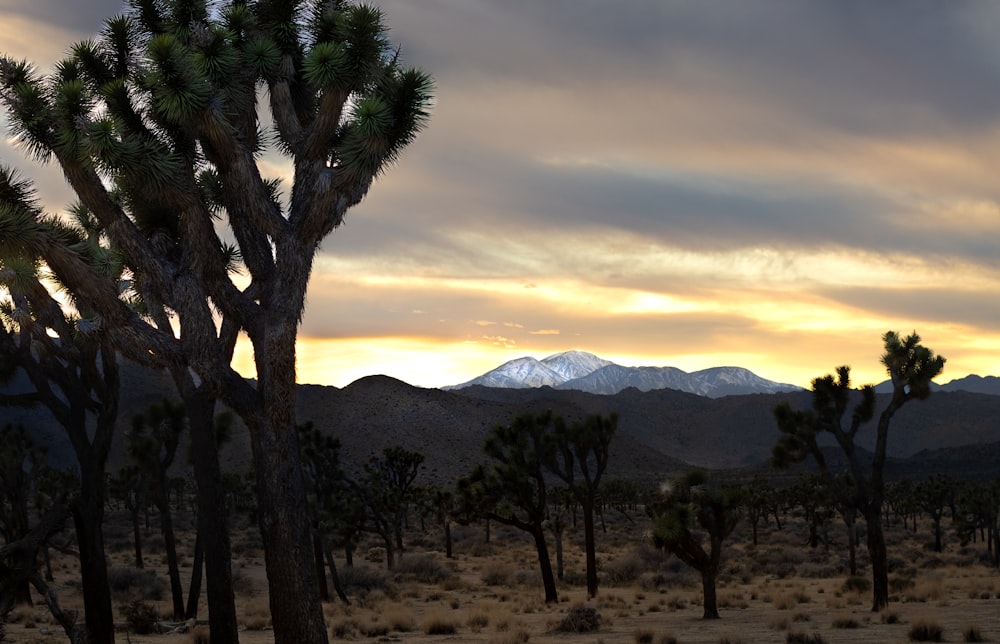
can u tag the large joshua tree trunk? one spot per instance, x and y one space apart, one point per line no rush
296 610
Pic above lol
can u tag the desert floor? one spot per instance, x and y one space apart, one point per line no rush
777 591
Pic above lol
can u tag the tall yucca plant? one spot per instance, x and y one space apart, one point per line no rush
157 125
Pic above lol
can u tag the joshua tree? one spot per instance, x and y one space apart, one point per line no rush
935 495
21 463
387 490
687 513
73 373
512 490
578 455
911 367
155 125
152 445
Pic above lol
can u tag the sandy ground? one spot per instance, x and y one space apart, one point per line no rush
954 591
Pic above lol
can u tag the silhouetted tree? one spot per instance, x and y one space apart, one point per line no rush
911 367
935 496
152 445
72 369
512 489
689 514
578 455
387 491
21 463
156 125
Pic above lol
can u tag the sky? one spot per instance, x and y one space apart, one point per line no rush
771 184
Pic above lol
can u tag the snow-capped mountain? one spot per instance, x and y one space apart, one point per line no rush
584 371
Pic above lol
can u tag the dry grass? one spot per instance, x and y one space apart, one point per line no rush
491 593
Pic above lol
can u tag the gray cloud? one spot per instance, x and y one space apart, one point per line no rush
85 17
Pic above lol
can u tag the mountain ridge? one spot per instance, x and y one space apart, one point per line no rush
583 371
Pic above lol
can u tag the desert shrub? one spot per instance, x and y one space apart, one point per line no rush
804 638
439 624
243 584
424 568
478 620
511 637
497 574
624 570
643 637
969 634
890 617
730 639
363 579
845 622
925 631
399 618
140 617
856 584
899 584
135 583
666 639
199 635
344 627
579 619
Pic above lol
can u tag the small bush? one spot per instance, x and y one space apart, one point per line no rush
624 570
135 583
924 631
363 579
846 622
644 637
666 639
969 634
424 568
857 584
140 617
199 635
804 638
580 619
438 624
495 574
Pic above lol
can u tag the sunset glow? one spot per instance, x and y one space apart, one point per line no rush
690 184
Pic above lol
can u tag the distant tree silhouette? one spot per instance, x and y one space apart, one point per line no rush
911 367
512 488
387 490
152 445
22 462
936 495
578 454
690 513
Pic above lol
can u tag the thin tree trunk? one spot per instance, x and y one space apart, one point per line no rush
170 544
136 537
213 519
194 588
447 539
879 558
337 586
88 517
545 563
324 590
590 547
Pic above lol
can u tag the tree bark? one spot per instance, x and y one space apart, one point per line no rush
194 588
324 590
590 547
709 597
170 545
296 610
879 558
213 520
88 517
545 564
